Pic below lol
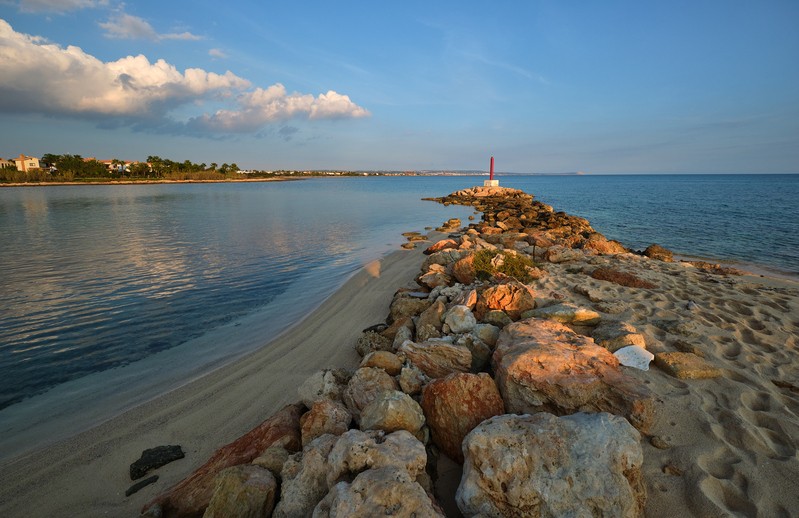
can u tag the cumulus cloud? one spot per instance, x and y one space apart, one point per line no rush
265 105
38 77
58 6
125 26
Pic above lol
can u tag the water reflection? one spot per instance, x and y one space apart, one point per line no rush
95 277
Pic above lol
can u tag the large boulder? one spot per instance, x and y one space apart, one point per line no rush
245 491
436 358
463 270
357 451
326 416
513 298
542 365
391 411
191 496
577 465
454 405
599 244
385 491
366 384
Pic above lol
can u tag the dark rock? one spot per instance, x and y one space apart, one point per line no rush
154 458
140 484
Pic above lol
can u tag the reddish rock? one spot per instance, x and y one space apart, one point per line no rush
603 246
441 245
621 278
454 405
467 298
513 298
436 275
437 359
326 416
542 365
385 360
190 497
463 270
658 252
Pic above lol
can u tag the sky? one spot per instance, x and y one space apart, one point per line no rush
699 86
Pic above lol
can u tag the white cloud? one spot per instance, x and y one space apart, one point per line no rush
58 6
217 54
125 26
38 77
263 106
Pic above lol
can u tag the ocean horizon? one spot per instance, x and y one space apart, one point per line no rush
150 286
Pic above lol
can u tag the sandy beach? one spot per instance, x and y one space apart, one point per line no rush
721 446
87 475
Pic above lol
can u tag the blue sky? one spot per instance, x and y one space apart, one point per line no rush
544 86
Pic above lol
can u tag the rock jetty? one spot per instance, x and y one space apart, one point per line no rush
487 362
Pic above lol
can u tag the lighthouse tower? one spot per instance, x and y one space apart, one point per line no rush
491 182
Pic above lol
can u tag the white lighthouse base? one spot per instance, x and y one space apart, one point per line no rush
491 183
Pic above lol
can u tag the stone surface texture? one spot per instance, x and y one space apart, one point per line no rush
454 405
437 359
686 366
391 411
245 491
385 360
365 385
326 416
387 491
304 479
513 298
582 465
542 365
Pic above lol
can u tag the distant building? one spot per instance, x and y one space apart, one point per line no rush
26 163
7 163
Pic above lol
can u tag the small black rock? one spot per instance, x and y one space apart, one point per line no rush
138 485
154 458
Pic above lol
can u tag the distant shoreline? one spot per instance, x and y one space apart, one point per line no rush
146 182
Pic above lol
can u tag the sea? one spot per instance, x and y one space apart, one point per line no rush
110 295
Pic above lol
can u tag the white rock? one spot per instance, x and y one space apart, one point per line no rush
460 319
634 356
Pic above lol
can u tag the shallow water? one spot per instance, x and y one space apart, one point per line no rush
97 277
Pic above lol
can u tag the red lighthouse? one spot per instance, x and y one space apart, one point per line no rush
491 182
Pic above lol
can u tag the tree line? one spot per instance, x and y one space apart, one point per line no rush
67 168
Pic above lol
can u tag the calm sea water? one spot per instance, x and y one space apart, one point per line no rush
97 277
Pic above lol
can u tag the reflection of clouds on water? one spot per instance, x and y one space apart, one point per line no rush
96 277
